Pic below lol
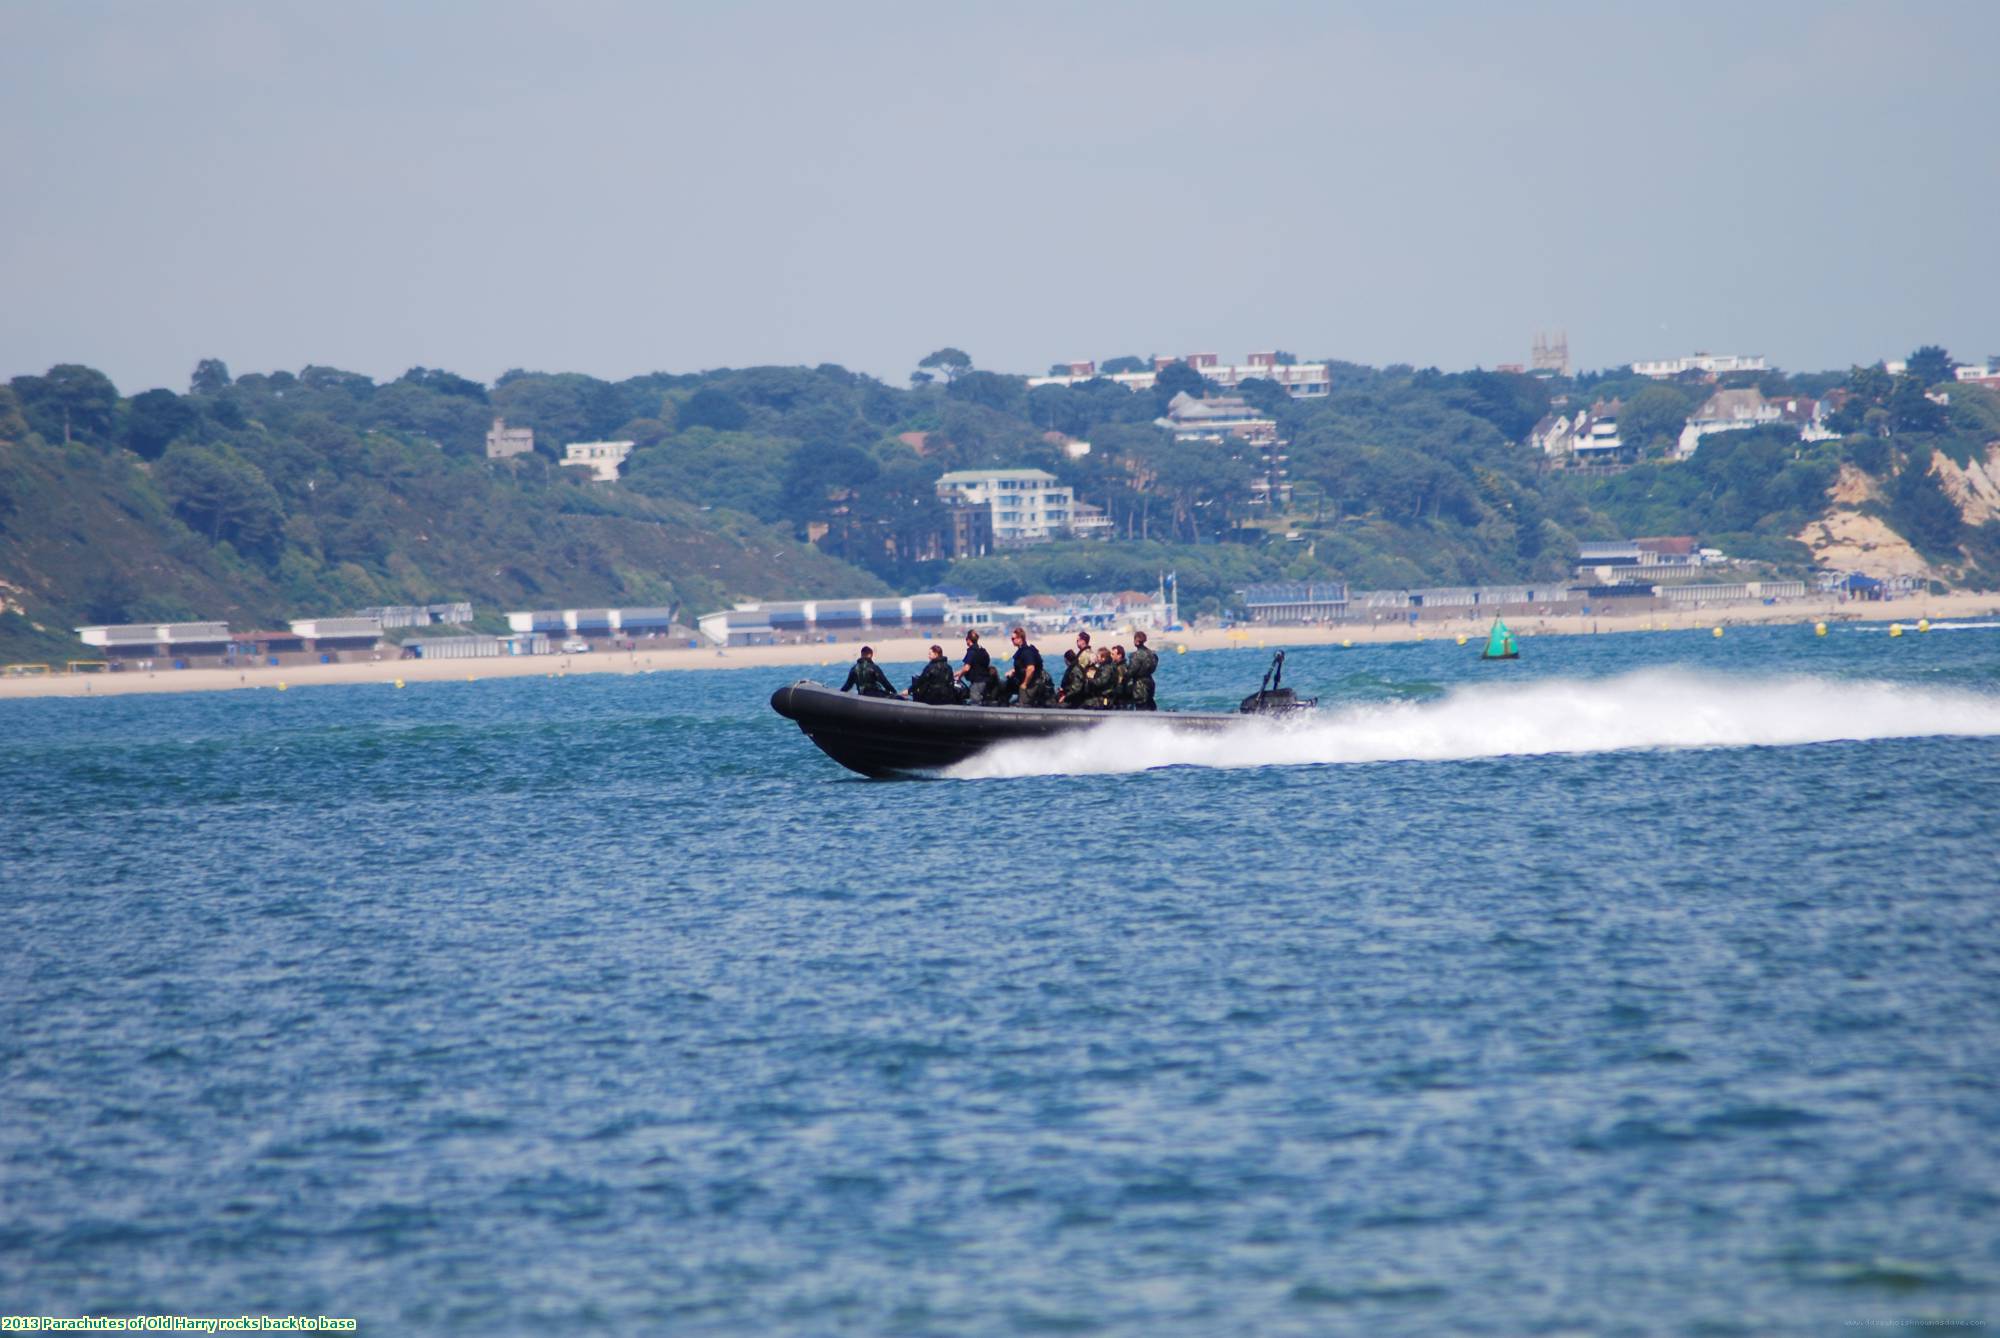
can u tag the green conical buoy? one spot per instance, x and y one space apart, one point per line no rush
1500 644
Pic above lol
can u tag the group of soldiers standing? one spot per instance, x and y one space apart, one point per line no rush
1106 679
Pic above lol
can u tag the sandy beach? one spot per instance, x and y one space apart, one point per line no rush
911 651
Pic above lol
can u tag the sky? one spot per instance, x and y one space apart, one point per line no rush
618 188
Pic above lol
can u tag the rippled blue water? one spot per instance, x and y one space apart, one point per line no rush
610 1005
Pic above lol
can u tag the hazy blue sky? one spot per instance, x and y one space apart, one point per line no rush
623 187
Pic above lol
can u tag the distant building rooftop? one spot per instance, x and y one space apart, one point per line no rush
957 476
154 634
757 622
321 629
606 621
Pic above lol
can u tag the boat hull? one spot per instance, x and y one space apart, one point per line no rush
884 737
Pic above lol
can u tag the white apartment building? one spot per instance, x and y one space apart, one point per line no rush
1598 442
1709 364
1191 419
602 458
1589 436
1228 420
1301 380
1726 411
1026 504
1734 410
1986 373
504 441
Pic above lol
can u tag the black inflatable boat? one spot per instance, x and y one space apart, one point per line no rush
884 737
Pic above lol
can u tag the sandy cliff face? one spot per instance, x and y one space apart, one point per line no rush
1975 487
1852 488
1850 541
1846 540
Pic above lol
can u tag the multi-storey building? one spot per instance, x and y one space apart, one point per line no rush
1587 437
1985 373
1027 505
1301 380
1228 420
504 441
602 458
1710 365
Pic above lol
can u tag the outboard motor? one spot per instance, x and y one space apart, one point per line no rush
1271 698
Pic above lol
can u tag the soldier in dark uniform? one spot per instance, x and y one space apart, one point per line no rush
1139 668
1074 675
1121 698
1028 680
977 675
1100 681
1039 689
933 683
867 678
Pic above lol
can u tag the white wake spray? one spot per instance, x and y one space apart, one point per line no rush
1649 709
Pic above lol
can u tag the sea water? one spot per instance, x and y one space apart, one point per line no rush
1649 984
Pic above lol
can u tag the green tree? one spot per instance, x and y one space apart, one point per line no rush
421 408
221 495
737 470
1931 365
1653 418
1868 452
444 383
1870 385
643 432
820 479
334 379
1511 402
13 424
714 409
1005 394
561 407
1120 366
899 517
154 419
1911 409
950 363
211 377
1923 512
1265 396
1177 377
69 401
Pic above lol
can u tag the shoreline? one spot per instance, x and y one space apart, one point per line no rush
912 650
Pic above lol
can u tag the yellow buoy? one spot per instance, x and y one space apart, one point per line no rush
468 678
399 682
1715 631
1180 650
1461 638
1895 629
281 686
1346 644
1819 629
1923 624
